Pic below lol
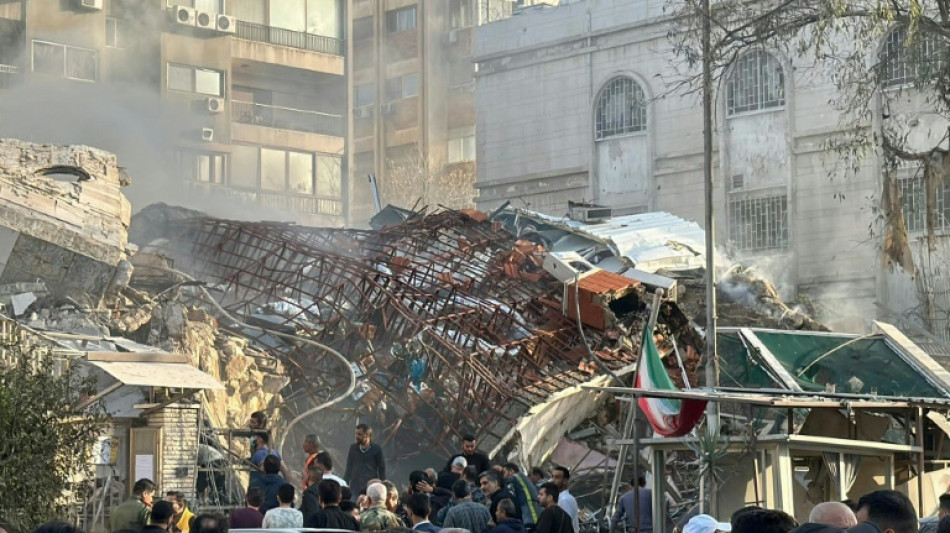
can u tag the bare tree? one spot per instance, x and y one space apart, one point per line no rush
888 61
417 181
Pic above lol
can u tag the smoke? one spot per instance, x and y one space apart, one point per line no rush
126 118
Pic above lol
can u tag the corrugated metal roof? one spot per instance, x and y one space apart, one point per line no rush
650 240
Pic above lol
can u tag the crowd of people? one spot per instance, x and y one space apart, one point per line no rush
882 511
468 495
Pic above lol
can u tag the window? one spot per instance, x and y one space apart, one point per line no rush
253 11
245 161
461 145
758 223
201 167
274 169
64 61
621 109
329 176
365 94
913 195
116 34
196 80
403 19
902 60
215 6
757 82
410 85
460 14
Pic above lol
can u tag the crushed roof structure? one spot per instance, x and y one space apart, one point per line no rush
451 323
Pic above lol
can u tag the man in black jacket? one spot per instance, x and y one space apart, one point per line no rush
553 519
494 489
364 462
331 516
310 499
161 519
471 453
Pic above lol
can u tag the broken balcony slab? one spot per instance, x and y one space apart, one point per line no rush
63 217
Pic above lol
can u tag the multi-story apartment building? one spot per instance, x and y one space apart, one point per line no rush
254 89
411 88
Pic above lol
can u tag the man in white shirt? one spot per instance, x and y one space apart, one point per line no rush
326 464
284 516
561 476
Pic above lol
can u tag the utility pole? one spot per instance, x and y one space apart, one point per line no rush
712 359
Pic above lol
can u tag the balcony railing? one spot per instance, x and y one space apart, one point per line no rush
286 118
293 39
280 201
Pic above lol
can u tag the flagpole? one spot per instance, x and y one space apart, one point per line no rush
630 426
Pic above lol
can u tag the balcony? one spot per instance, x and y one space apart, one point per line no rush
300 204
286 118
290 38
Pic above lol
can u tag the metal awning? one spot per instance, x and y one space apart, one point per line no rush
155 374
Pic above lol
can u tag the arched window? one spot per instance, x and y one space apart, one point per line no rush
621 109
757 82
903 61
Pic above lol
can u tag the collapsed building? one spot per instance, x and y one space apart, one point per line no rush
519 328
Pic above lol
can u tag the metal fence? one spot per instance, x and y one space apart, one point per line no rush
293 39
286 118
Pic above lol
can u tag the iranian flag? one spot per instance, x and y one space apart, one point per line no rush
668 416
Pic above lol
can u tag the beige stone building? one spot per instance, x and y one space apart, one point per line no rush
254 89
579 101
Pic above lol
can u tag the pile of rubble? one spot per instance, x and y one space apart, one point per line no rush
448 323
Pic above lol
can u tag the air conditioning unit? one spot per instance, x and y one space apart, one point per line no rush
453 36
184 15
389 109
225 24
90 4
363 112
589 212
207 134
215 105
205 20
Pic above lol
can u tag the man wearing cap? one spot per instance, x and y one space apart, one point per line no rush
703 523
448 478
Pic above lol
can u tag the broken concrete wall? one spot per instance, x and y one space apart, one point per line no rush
63 217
